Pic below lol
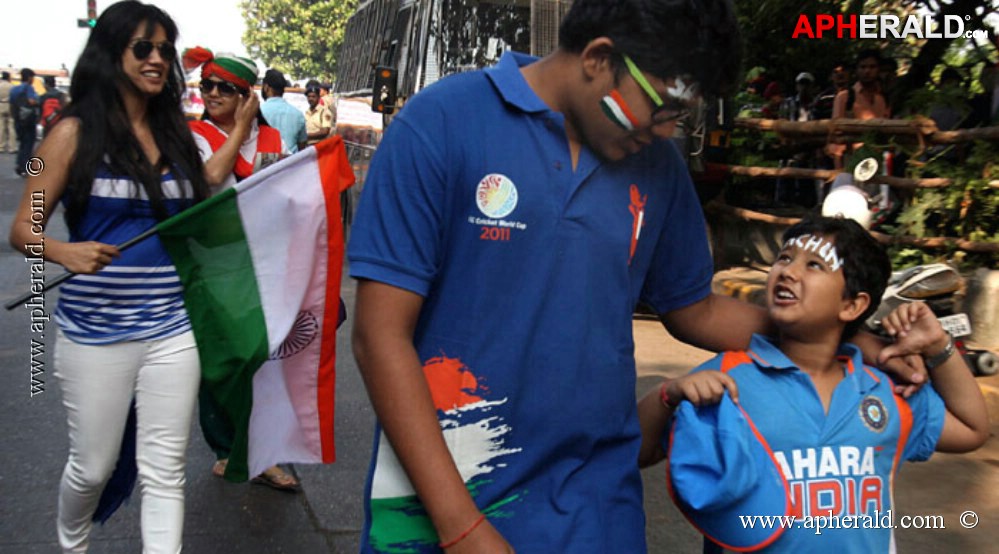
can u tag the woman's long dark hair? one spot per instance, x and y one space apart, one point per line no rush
105 131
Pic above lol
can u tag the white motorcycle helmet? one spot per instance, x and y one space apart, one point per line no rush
848 201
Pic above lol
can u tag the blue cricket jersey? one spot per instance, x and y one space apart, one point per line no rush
842 463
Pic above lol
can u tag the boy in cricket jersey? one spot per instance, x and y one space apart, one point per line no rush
836 429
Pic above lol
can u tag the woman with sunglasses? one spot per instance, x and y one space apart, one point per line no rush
235 141
120 160
232 135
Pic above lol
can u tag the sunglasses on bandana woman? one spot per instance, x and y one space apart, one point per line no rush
142 48
617 109
224 88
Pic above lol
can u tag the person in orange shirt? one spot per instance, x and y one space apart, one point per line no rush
863 100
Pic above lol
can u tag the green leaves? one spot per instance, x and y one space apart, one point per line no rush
301 37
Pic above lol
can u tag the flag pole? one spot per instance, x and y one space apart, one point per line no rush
67 275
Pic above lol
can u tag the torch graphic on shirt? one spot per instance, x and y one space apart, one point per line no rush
637 209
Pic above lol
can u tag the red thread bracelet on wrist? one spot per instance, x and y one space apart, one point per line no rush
449 544
664 396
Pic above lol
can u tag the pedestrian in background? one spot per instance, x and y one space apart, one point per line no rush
8 136
121 159
863 100
280 114
799 106
51 103
234 141
24 108
319 121
232 136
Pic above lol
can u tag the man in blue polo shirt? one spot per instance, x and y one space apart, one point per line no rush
280 114
511 221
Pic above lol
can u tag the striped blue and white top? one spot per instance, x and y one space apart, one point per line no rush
138 296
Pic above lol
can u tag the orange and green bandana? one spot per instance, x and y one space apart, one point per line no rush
241 72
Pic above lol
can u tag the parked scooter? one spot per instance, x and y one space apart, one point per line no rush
942 288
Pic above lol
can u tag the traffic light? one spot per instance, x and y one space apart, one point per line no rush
384 91
91 13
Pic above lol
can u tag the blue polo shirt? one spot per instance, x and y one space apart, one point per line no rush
530 272
843 462
287 120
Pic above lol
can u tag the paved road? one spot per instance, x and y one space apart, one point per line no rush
327 516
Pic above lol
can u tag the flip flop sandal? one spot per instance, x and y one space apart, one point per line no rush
280 481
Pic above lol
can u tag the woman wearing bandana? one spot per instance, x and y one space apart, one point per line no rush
235 141
232 135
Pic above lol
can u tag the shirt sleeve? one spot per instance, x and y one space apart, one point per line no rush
204 149
398 230
302 135
682 267
928 411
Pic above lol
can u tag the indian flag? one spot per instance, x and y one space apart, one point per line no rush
476 438
261 267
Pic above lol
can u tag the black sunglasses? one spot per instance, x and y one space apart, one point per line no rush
224 88
142 48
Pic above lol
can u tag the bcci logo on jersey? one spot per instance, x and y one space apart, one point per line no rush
873 413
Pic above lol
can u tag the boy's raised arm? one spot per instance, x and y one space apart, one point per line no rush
966 423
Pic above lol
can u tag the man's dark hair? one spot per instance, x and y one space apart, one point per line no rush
870 53
49 81
27 75
866 267
275 79
667 38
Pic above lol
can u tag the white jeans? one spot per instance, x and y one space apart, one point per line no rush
98 383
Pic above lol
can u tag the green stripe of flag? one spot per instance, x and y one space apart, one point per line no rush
209 249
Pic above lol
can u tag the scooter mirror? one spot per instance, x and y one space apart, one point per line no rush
865 170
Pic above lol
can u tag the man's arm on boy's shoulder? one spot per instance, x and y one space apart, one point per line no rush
384 322
721 323
717 323
966 422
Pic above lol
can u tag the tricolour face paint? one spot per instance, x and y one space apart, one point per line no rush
617 110
823 247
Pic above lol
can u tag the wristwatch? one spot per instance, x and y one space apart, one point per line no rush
938 360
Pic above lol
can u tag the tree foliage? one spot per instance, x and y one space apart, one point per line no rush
301 37
768 25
